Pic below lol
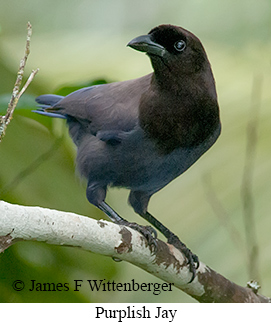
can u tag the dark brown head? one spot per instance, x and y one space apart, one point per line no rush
172 49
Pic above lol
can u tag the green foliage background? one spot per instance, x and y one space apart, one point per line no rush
77 42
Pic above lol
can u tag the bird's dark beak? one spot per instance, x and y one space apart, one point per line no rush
145 44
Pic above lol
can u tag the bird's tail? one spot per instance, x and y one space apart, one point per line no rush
46 103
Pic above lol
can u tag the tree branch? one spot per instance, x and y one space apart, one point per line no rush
60 228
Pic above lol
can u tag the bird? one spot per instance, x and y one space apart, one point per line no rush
141 134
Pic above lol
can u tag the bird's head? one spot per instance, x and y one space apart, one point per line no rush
172 49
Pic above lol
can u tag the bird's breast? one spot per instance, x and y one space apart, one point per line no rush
140 166
178 121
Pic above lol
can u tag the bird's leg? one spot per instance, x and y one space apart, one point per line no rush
139 201
114 216
96 195
192 259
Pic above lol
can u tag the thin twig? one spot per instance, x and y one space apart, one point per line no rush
17 93
27 83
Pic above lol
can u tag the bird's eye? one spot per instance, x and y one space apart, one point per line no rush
180 45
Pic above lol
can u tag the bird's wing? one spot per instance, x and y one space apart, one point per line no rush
107 110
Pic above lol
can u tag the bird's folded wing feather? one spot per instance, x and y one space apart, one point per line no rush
110 109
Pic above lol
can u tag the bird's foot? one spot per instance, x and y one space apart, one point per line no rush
192 259
148 232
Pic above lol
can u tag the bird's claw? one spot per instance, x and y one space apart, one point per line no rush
148 232
193 263
192 259
151 235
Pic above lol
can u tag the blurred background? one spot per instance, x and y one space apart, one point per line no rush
219 208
